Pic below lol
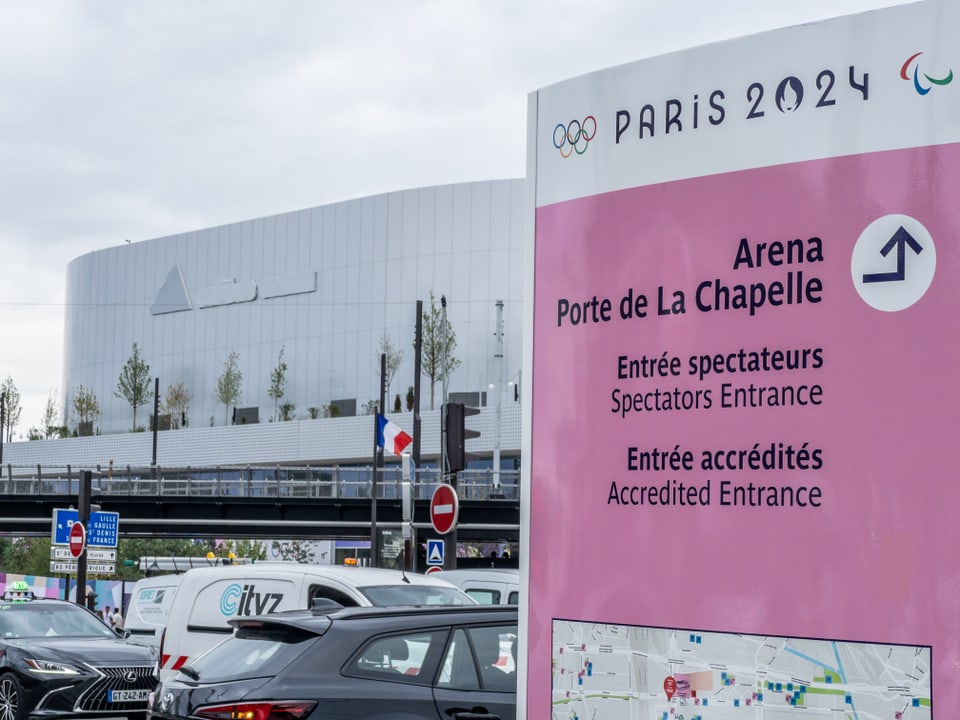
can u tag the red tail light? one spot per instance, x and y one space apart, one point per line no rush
280 710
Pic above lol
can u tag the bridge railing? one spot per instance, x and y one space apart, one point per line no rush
280 481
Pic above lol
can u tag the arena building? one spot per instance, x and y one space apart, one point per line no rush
318 290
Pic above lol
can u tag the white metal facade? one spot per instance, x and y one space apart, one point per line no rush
332 441
324 284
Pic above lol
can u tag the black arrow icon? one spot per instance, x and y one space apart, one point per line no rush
901 238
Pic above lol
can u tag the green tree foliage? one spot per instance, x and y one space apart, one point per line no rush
11 407
229 383
410 398
87 408
250 549
26 556
432 363
136 548
278 378
133 385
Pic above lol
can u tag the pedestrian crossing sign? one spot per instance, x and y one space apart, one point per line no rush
435 552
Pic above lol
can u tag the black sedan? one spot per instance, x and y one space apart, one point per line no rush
59 660
434 663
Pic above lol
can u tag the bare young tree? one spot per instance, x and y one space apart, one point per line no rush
432 347
11 407
229 383
133 385
51 425
393 357
87 407
278 378
176 403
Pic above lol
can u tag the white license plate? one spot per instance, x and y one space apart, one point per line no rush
127 695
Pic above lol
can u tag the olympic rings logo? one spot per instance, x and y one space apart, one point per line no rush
574 137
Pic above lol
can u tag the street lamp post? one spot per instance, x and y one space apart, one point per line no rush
3 417
498 400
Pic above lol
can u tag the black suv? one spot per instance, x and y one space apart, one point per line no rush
429 662
58 659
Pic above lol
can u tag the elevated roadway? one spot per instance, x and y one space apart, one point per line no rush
316 503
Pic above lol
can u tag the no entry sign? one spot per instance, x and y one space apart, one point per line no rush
444 507
78 539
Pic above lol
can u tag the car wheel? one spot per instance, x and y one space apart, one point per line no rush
10 698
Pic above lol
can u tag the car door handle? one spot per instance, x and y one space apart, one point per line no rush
478 713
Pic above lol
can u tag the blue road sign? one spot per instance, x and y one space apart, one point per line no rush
434 552
63 520
102 530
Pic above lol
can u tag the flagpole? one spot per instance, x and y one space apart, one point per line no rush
377 467
373 489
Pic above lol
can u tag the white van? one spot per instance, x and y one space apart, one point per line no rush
488 586
208 597
149 606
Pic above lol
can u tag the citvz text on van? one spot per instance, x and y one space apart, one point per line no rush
247 601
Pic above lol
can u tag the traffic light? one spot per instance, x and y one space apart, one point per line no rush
458 434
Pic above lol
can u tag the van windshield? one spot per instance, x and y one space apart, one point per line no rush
391 595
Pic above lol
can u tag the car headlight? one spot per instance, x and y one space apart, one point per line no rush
48 667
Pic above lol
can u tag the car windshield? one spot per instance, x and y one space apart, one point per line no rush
50 619
392 595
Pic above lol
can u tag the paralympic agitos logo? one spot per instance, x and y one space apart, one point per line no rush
922 82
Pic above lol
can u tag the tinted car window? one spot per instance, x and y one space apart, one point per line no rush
459 669
484 662
494 650
252 652
398 658
393 595
514 598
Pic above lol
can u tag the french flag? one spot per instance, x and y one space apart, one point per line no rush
390 436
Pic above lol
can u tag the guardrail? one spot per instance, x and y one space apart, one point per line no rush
237 482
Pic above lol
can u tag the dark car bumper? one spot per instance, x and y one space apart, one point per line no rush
113 693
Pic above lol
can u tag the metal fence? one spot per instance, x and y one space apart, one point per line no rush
280 481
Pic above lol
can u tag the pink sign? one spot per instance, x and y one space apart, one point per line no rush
744 427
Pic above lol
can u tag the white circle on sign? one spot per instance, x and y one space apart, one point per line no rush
893 262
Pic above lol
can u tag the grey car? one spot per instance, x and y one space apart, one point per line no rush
434 663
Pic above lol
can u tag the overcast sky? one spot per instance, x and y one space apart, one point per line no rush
133 120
